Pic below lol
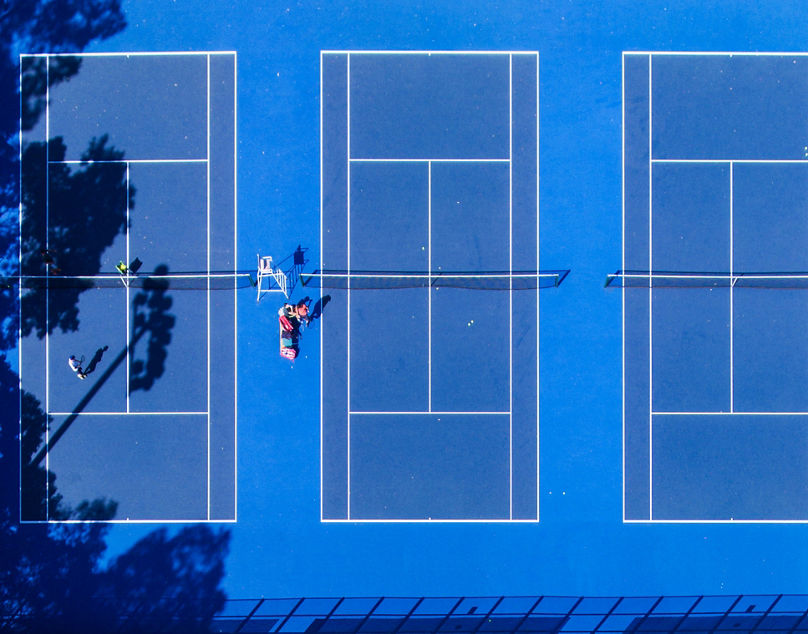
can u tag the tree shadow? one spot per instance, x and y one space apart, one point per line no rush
39 498
76 217
155 322
151 315
51 575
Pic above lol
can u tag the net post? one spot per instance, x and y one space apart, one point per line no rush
123 271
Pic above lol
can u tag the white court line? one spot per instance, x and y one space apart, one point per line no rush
732 413
430 521
19 304
708 277
128 414
538 319
135 521
706 521
421 52
127 161
207 293
717 53
623 263
753 161
348 245
731 289
430 160
235 294
47 290
430 413
322 321
131 54
510 285
429 290
127 334
650 296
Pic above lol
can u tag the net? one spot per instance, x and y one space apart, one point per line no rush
679 279
170 281
485 281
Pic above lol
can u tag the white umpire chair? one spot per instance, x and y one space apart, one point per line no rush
271 279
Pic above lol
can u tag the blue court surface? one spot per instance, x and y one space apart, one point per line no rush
436 435
429 395
715 406
156 409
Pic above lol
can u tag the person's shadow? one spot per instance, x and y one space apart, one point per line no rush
95 360
317 311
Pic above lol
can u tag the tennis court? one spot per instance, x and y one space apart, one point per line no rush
132 159
714 338
430 385
433 437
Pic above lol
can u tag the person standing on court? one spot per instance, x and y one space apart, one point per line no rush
75 365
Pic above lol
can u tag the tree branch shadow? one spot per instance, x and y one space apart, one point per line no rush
51 575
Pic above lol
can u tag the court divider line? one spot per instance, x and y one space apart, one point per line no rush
504 520
132 54
348 294
114 161
322 321
47 286
429 413
732 413
429 160
510 286
717 53
127 325
424 52
235 293
753 161
623 265
731 288
207 292
713 521
538 312
131 521
128 414
650 295
19 300
429 288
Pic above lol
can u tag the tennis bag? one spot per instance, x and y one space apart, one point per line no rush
288 349
286 324
287 341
